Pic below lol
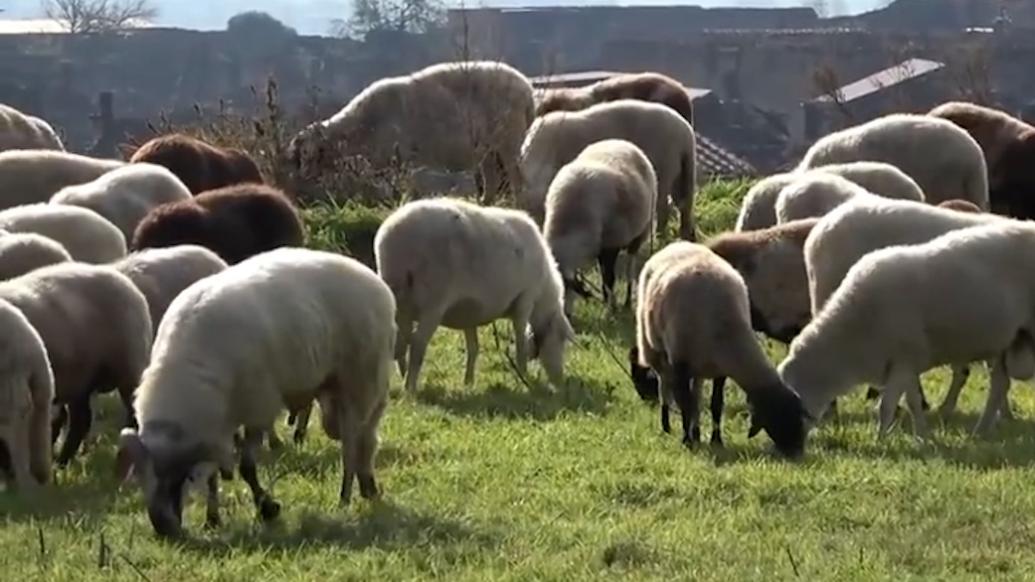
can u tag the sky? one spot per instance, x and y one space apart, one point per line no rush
314 16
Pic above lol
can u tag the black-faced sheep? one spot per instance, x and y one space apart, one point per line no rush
598 205
235 348
21 131
199 165
1009 147
26 392
459 116
86 235
963 296
32 176
666 138
942 158
125 196
235 222
21 253
453 263
693 323
651 87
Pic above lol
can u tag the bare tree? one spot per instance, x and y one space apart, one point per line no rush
89 16
390 15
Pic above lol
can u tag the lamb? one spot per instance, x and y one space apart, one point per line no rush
902 310
97 331
758 209
461 116
199 165
652 87
772 263
22 253
21 131
235 222
666 138
599 204
692 323
453 263
815 194
32 176
235 348
943 159
1009 146
86 235
28 388
125 196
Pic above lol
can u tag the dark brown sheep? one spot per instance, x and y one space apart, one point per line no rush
653 87
1009 147
199 165
235 222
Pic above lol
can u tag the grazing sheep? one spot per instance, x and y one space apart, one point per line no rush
666 138
651 87
21 131
236 222
772 264
758 208
942 158
235 348
86 235
460 116
125 196
815 194
452 263
200 166
599 204
24 252
97 331
963 296
31 176
692 323
26 392
1009 147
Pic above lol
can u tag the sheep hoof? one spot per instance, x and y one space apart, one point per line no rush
368 487
269 509
717 440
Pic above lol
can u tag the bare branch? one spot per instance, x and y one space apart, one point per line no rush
93 16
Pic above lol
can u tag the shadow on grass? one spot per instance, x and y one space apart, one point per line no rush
538 402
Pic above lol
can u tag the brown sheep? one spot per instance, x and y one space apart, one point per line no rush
1009 147
235 222
653 87
961 206
201 166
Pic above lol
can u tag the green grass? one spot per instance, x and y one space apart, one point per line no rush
501 481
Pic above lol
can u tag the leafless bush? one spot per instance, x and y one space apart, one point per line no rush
92 16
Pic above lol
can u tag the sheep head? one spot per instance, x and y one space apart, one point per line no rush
645 381
779 412
548 344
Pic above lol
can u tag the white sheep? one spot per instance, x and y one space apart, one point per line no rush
758 209
125 196
235 348
599 204
31 176
21 253
21 131
26 391
86 235
666 138
942 158
456 116
814 194
453 263
692 323
97 331
964 296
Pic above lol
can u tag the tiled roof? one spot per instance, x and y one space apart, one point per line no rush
904 71
715 161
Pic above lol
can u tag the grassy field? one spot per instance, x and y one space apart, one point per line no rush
502 481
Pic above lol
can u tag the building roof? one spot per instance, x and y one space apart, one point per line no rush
715 161
904 71
582 78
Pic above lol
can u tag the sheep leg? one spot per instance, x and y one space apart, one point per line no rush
998 386
959 379
490 170
80 417
471 337
717 404
666 384
890 397
630 266
915 401
520 323
41 450
272 439
607 260
58 423
212 519
685 390
403 338
664 210
426 327
16 437
264 503
302 423
368 488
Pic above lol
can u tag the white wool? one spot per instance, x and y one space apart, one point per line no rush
31 176
86 235
942 158
814 194
667 139
758 209
21 253
21 131
453 263
124 196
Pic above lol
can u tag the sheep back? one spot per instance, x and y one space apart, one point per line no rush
199 165
651 87
86 235
32 176
21 131
21 253
815 194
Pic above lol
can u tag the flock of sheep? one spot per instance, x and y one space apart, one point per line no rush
179 279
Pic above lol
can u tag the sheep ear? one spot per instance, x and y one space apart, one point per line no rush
131 453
